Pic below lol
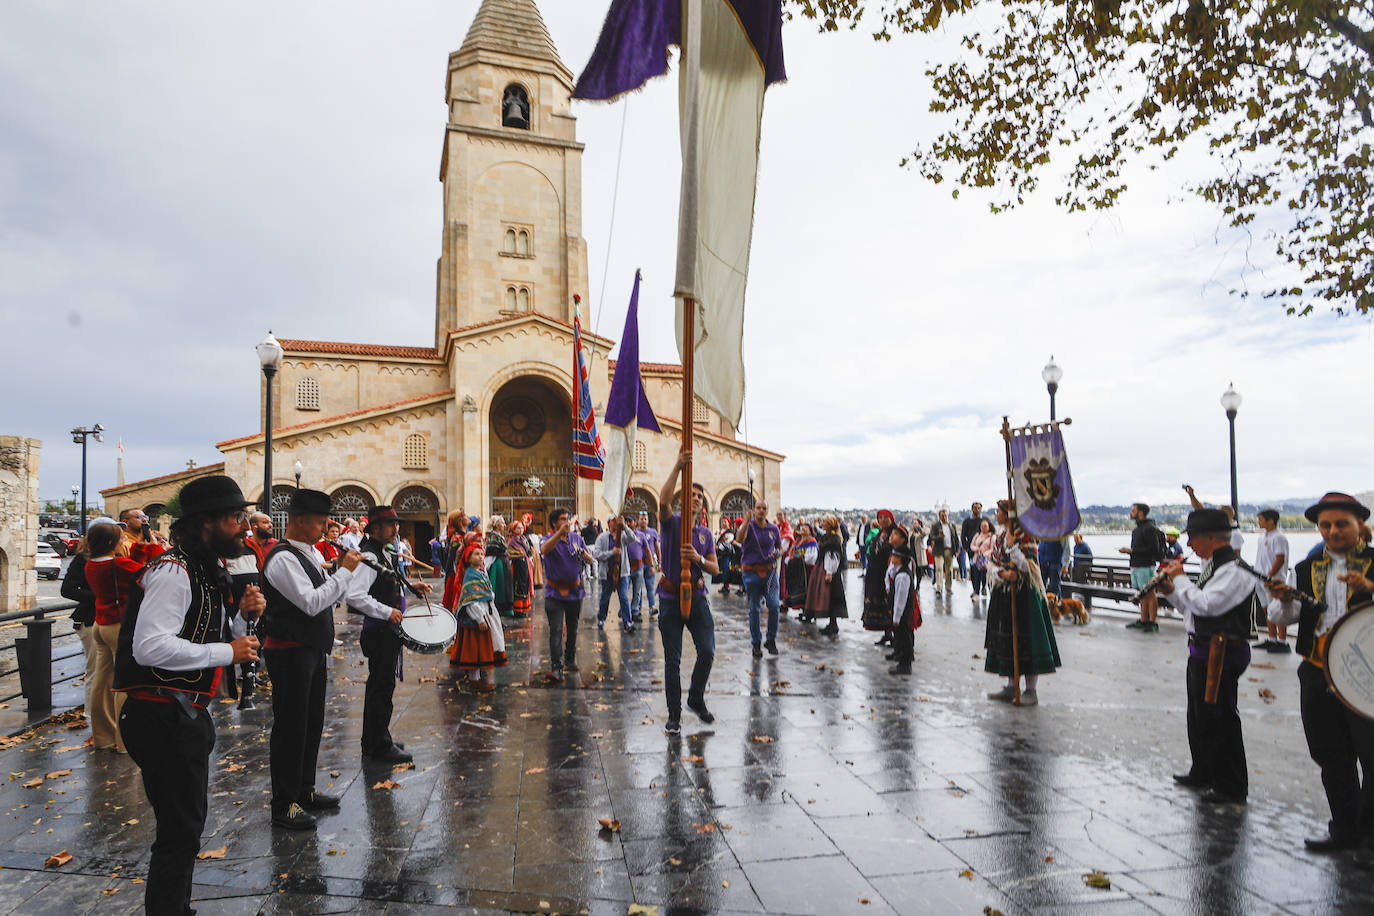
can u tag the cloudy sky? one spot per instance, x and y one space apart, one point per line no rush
176 179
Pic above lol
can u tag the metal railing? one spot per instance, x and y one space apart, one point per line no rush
34 655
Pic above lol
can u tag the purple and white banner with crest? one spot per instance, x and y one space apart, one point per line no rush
1045 502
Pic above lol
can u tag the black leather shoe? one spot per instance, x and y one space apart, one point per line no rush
771 646
673 727
758 651
1191 781
891 656
903 668
294 818
391 754
699 707
1331 844
318 801
1217 797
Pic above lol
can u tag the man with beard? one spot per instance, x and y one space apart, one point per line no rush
1341 577
168 661
298 626
380 600
260 539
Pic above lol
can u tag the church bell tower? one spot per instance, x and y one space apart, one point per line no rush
512 175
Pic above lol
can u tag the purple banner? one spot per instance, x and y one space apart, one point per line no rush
1045 502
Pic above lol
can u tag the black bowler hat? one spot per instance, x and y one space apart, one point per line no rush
210 495
381 514
308 502
903 552
1208 521
1334 500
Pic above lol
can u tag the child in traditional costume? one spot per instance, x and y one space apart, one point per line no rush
904 607
1016 584
480 644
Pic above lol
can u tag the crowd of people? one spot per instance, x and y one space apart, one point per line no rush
167 627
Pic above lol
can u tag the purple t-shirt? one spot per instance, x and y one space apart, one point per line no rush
670 532
634 549
649 538
761 545
564 564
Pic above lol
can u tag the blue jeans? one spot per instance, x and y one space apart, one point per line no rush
703 630
761 589
622 588
1054 580
650 585
636 590
963 565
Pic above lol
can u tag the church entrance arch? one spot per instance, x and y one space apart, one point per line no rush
346 502
531 450
737 504
418 508
641 500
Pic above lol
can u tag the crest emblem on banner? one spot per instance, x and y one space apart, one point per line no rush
1040 485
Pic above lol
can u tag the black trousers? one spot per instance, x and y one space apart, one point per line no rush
1214 735
1338 739
903 640
382 647
298 677
563 615
173 753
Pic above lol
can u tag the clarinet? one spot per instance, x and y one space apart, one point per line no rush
1149 587
379 568
1306 600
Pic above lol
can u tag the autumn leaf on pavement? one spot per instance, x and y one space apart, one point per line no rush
387 784
57 859
609 824
58 773
213 853
1098 880
763 739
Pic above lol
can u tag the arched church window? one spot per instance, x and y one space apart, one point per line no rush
511 298
416 452
524 300
307 394
515 107
641 457
510 242
522 243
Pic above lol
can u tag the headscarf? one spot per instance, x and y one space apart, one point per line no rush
476 587
882 512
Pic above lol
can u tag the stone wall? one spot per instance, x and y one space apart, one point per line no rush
18 522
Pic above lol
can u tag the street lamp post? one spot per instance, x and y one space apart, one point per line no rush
297 469
269 356
751 487
1230 402
1051 375
79 436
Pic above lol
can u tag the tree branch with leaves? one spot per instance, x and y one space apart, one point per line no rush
1279 93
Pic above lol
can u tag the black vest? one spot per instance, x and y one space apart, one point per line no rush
283 620
202 624
1312 576
1235 623
386 589
910 605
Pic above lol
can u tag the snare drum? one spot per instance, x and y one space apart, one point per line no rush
427 630
1350 660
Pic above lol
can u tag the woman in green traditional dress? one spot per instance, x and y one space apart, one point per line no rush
498 567
1017 583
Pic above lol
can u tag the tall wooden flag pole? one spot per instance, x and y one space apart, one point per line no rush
1015 635
689 310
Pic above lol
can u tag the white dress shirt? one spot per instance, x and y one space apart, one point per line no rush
1227 587
287 576
157 643
359 599
901 587
1336 595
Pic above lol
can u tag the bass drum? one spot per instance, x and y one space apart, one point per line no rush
428 630
1350 660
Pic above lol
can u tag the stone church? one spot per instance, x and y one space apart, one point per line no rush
481 420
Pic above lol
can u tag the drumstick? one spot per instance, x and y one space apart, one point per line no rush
408 557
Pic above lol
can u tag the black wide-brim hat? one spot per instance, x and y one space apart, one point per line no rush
1208 521
903 552
211 495
381 514
1335 500
308 502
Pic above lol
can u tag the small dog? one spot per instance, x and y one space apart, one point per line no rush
1070 607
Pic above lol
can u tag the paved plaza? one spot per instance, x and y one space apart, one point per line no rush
825 786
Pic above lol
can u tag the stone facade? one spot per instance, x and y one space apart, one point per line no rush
18 522
482 420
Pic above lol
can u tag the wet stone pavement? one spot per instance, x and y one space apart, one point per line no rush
825 785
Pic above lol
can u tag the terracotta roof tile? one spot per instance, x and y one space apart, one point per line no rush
337 417
357 349
189 472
